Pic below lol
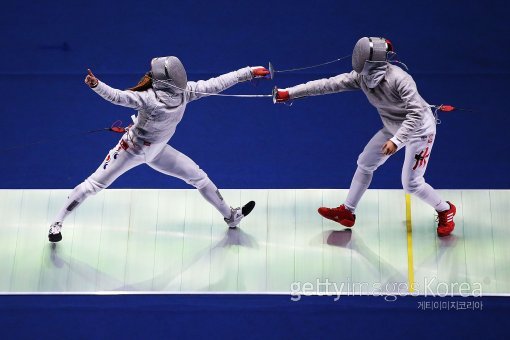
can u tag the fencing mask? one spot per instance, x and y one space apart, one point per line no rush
170 72
370 49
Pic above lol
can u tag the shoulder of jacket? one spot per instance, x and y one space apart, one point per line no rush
397 76
398 72
150 99
352 75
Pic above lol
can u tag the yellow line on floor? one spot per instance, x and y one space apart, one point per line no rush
409 228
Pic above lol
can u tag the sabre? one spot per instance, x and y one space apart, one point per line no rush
273 71
211 94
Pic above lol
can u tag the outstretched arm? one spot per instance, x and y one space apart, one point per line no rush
342 82
129 99
202 88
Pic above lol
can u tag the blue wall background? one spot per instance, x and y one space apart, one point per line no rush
457 52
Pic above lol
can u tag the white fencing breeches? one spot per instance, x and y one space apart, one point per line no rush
417 155
161 157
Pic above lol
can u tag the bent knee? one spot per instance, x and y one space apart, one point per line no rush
199 179
92 186
412 186
365 170
368 167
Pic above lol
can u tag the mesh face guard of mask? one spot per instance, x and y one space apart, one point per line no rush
370 49
170 72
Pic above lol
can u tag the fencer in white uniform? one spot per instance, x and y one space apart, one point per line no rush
407 121
160 99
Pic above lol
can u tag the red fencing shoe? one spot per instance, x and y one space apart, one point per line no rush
445 218
341 215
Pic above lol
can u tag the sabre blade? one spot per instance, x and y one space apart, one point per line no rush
272 70
212 94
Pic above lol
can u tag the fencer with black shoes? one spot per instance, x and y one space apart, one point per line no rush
54 234
238 214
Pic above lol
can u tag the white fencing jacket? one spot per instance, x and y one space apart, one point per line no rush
394 94
156 121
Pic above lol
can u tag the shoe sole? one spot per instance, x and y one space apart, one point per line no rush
443 234
55 237
345 223
248 207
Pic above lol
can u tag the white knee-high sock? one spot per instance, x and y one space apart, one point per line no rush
212 195
431 197
77 196
359 184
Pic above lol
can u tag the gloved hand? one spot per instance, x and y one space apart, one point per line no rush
389 148
91 79
259 72
280 95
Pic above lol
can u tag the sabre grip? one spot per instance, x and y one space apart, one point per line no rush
259 72
280 96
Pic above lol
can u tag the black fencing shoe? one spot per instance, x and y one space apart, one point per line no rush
54 234
237 214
